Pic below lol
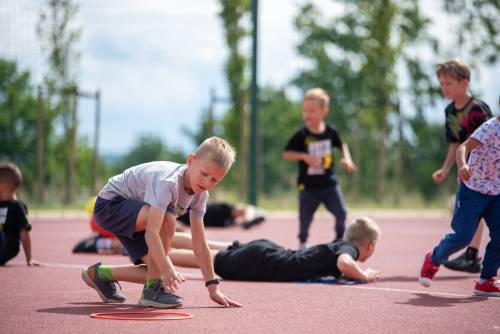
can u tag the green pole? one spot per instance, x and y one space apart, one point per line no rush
252 161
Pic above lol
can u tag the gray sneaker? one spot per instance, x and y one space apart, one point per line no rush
156 296
106 289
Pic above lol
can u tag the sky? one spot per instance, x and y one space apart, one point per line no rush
156 61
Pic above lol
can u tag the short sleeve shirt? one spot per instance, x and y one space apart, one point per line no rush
484 161
461 123
282 264
319 145
159 184
13 218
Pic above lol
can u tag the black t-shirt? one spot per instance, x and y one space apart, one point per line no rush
319 145
13 218
263 260
461 123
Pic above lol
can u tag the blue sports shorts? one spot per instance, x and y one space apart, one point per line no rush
118 215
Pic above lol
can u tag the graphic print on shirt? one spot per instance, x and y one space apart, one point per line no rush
3 217
176 210
323 150
181 206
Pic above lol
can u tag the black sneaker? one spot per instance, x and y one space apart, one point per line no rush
466 262
106 289
250 223
87 245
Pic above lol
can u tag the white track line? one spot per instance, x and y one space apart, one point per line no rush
413 291
82 266
52 265
421 292
195 276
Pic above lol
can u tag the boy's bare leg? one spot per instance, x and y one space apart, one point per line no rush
238 213
183 240
186 258
152 271
476 241
218 245
129 273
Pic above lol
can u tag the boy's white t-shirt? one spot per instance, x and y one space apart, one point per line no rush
159 184
484 161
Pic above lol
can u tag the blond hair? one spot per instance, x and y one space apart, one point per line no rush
362 230
454 68
318 94
9 172
219 150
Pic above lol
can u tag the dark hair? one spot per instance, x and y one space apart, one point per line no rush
10 172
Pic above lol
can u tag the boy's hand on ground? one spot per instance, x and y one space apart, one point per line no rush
372 275
220 298
439 176
34 263
464 173
171 280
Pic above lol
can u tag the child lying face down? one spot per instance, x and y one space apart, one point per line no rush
263 260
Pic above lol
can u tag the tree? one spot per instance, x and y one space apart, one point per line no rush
477 31
235 120
146 149
59 38
18 121
280 118
354 58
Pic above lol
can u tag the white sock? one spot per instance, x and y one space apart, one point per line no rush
103 243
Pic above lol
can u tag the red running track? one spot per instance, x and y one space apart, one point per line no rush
54 299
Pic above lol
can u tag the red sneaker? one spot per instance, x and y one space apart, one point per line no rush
428 271
490 288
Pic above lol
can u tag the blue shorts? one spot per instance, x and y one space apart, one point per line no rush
118 215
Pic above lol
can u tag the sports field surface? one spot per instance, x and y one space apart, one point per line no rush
54 299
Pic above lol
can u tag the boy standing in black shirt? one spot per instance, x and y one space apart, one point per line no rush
14 225
312 147
463 115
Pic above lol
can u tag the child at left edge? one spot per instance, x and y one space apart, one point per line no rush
140 207
478 197
14 225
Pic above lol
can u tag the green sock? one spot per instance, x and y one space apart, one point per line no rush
104 273
152 281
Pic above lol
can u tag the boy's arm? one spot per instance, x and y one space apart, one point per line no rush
439 175
350 268
346 160
158 248
464 172
302 156
26 242
205 261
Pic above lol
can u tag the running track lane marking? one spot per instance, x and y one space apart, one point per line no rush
431 293
194 276
82 266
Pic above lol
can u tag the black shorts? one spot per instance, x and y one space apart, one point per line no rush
246 262
118 215
8 248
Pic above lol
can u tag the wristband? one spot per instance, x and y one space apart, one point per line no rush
214 281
